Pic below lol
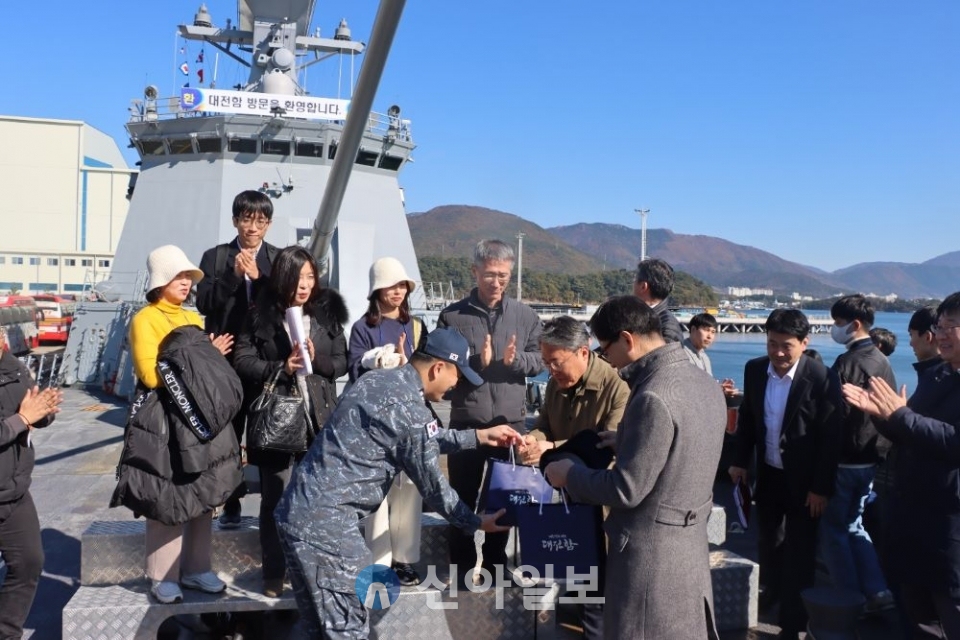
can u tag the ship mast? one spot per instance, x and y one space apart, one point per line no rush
643 232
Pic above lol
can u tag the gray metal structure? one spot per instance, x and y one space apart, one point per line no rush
194 163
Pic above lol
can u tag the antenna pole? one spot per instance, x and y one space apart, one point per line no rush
643 232
520 266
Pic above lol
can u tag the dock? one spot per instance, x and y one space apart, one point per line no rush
725 324
74 478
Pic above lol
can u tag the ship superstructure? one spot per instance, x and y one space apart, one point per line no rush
200 148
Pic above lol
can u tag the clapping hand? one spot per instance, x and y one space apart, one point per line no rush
880 400
223 342
486 354
246 263
37 405
510 353
401 348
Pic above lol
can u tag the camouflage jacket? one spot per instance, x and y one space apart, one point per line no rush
380 427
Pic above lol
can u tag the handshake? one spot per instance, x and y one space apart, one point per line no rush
385 357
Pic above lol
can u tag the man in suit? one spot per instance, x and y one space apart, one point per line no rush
660 490
226 291
790 414
653 285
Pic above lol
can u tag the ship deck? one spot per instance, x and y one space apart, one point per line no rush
74 479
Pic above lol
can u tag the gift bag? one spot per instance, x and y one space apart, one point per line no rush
568 538
508 485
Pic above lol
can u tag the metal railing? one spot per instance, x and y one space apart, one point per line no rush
46 368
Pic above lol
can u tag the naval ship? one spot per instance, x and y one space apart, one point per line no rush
330 166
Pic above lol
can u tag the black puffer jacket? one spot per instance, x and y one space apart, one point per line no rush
263 346
166 472
16 458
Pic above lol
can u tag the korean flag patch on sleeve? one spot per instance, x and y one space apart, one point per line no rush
433 428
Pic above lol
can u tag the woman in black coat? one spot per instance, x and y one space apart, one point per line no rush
23 408
263 348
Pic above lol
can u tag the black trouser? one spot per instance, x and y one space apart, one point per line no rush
273 481
932 614
232 506
466 474
23 553
787 544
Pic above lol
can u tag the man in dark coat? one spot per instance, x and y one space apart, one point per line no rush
790 416
924 537
653 285
23 408
226 292
660 489
848 550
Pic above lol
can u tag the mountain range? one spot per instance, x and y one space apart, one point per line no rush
452 230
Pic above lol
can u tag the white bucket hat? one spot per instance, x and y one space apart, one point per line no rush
387 272
164 263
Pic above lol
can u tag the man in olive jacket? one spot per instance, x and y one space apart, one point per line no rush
660 490
504 339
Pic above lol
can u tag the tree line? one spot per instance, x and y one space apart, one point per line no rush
591 288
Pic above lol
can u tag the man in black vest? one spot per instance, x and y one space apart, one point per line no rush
226 292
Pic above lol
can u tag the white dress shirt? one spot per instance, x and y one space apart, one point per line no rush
774 406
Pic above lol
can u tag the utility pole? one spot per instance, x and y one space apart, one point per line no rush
643 232
520 266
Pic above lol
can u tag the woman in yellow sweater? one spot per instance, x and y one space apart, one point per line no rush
172 276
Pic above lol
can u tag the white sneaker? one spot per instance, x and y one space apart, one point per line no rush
166 592
208 582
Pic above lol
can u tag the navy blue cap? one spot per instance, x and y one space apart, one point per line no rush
449 345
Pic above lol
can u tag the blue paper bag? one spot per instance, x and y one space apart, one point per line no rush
509 486
568 538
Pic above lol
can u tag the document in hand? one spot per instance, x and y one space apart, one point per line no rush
742 498
299 336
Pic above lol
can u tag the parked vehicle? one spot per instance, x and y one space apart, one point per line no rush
20 318
57 317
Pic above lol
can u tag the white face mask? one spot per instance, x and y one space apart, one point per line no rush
842 335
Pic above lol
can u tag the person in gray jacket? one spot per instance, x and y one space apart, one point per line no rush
660 489
381 426
504 339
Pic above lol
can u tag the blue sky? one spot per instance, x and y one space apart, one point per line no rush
825 132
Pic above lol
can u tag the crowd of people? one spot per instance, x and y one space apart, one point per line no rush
816 443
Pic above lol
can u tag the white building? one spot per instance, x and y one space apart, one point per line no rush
64 188
745 292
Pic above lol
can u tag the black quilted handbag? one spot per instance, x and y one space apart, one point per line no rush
278 422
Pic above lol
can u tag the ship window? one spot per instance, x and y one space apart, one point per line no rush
310 149
332 151
151 147
277 147
242 145
209 145
180 146
391 163
367 158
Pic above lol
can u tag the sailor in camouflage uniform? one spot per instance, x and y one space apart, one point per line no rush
382 426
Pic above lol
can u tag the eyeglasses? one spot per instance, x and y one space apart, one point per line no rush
605 347
250 221
943 330
557 365
495 277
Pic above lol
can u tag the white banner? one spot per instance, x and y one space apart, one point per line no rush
262 104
